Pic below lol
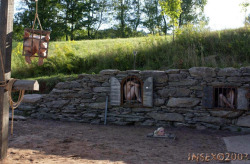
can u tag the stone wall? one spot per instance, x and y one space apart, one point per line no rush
177 99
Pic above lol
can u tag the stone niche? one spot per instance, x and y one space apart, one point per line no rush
143 92
225 97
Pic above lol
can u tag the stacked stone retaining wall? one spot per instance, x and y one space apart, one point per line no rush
177 99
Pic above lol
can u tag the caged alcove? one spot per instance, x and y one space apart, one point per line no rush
132 91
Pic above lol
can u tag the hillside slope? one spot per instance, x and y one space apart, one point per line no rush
194 47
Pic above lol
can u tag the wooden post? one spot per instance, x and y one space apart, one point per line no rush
6 29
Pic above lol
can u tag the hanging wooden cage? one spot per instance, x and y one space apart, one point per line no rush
36 43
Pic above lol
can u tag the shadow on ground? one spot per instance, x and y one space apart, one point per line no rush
46 141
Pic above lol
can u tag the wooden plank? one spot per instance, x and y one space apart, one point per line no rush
115 92
6 30
29 85
148 92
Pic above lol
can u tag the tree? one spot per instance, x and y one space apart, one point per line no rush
94 16
72 13
120 12
48 15
192 12
135 15
248 20
153 15
244 6
172 8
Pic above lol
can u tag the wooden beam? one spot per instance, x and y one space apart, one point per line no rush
6 30
29 85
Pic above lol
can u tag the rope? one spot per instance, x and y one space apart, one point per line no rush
36 17
13 104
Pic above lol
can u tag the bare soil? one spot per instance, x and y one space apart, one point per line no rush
49 142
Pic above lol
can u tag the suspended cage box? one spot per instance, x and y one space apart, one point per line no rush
36 43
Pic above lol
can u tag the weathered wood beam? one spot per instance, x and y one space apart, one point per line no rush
29 85
6 30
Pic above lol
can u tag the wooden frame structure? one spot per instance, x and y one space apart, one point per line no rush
6 30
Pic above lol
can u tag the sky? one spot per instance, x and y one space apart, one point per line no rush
223 14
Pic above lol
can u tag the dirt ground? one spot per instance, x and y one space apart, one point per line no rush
49 142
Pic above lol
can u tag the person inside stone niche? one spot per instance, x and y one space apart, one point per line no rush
131 90
228 99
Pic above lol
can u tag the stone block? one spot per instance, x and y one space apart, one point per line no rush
68 85
167 117
183 102
244 121
61 91
153 73
226 114
245 70
202 72
174 92
84 95
173 71
101 89
105 84
17 118
133 72
199 88
57 103
142 110
161 79
148 123
211 126
95 122
27 107
214 120
231 128
187 82
90 115
177 77
32 98
98 105
134 119
201 127
109 72
228 72
238 79
101 99
159 102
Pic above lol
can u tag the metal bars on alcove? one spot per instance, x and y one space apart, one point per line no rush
134 101
223 90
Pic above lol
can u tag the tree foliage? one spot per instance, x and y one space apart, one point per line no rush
172 8
244 5
192 12
90 19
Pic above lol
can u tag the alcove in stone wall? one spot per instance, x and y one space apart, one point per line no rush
116 93
211 97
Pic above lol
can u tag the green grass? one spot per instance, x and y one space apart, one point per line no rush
195 46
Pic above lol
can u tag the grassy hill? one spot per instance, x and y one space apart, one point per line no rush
193 47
